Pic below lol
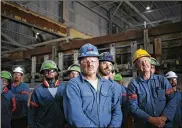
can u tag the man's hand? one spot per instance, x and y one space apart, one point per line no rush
157 121
164 118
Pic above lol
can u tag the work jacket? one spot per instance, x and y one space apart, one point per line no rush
21 93
6 108
152 97
86 107
46 111
177 122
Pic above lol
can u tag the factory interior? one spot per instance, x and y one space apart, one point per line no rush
35 31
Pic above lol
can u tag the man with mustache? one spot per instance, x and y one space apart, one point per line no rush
8 101
21 92
172 77
90 100
46 104
106 63
150 97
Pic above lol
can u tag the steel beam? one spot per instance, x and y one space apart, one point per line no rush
4 21
130 35
125 14
99 5
137 11
36 45
93 11
33 69
30 18
117 8
158 21
12 42
122 19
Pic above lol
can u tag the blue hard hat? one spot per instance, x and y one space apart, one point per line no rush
88 50
106 56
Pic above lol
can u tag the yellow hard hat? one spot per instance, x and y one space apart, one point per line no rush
140 53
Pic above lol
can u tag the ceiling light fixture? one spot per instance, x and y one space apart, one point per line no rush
147 8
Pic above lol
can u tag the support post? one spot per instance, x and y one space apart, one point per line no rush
46 57
133 49
158 48
60 64
33 71
54 53
113 51
75 56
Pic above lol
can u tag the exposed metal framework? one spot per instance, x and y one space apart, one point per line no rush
137 11
118 16
12 42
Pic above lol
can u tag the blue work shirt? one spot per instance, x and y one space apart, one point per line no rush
6 107
123 102
153 97
46 111
87 107
177 122
21 93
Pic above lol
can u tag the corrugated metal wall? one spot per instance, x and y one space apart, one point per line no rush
49 9
85 20
24 34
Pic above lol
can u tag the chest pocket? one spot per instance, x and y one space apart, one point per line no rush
87 97
158 90
161 94
142 98
106 97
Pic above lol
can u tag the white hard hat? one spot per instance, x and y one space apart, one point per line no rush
18 69
171 74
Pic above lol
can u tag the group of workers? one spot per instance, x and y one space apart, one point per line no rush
93 96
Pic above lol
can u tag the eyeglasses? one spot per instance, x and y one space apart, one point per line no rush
49 71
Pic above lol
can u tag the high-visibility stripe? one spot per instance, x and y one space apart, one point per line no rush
132 96
169 91
33 104
123 94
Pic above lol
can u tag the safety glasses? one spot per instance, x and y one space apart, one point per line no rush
49 71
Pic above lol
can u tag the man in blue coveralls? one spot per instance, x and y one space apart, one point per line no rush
21 92
172 77
106 63
150 97
46 103
90 100
8 101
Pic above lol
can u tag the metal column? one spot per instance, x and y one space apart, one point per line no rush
60 64
75 56
33 71
147 45
54 53
46 57
113 51
158 48
133 49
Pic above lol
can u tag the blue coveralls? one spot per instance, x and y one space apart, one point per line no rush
21 94
153 97
122 93
6 107
46 111
177 122
86 107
